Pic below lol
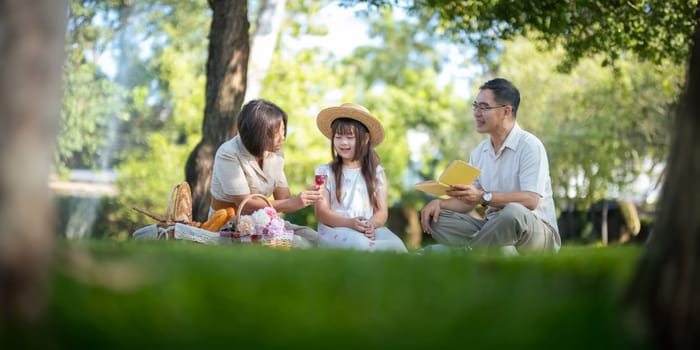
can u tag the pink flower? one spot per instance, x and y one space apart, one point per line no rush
275 227
261 217
271 212
246 225
264 221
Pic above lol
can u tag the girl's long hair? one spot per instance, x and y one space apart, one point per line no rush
364 152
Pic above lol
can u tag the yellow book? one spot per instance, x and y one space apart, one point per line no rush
458 172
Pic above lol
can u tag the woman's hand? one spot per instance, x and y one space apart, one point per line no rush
309 197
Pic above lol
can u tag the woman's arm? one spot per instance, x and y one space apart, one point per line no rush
250 206
285 203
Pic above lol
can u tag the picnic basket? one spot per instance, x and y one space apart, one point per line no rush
179 210
278 240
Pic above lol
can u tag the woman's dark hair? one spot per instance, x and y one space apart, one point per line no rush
258 124
364 152
504 92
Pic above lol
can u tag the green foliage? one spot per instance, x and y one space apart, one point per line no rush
405 46
176 295
91 100
168 80
655 30
160 116
145 179
89 104
148 172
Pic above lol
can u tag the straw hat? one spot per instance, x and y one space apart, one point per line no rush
353 111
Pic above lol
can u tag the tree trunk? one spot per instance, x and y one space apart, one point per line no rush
32 36
227 64
414 233
263 45
665 289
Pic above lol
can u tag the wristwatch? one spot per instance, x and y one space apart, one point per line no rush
486 198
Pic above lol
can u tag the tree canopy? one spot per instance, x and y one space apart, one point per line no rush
655 30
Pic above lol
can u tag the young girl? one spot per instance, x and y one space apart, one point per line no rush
354 210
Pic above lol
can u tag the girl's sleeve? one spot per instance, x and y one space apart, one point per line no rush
381 178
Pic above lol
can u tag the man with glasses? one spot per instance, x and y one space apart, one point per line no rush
514 185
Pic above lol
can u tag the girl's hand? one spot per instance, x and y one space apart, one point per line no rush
369 229
359 223
370 233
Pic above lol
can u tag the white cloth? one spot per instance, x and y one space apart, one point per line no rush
354 202
148 232
347 238
521 164
198 235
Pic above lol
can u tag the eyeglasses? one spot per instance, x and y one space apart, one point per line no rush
482 107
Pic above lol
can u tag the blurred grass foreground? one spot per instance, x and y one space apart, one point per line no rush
108 294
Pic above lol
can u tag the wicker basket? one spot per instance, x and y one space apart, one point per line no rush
179 210
281 242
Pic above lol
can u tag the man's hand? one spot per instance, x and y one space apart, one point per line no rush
466 193
431 210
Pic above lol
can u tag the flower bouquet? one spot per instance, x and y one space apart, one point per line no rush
262 226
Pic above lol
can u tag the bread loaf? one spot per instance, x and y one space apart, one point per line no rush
216 221
230 213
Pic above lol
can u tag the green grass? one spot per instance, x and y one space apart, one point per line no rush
108 294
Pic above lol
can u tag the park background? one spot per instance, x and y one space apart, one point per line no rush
135 96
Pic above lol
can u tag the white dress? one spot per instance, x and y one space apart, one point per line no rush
354 202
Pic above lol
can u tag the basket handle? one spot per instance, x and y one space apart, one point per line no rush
243 203
170 209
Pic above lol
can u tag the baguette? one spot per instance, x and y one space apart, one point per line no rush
230 214
216 221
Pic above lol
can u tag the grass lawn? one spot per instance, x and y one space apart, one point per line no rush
107 294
